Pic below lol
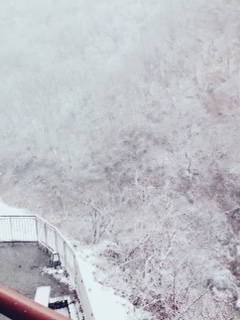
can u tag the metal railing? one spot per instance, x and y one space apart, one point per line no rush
35 229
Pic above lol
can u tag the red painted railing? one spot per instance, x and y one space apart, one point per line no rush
15 306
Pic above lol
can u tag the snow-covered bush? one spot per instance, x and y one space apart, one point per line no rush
120 122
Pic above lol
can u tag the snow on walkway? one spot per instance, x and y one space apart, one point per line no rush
105 304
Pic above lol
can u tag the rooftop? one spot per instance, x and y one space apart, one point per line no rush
21 270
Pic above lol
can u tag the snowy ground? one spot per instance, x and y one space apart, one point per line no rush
105 304
6 210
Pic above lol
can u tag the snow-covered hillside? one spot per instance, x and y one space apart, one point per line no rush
119 123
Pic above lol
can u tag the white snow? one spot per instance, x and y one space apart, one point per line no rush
42 295
63 311
6 210
86 83
105 304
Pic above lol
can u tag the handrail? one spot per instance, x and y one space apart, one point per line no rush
17 307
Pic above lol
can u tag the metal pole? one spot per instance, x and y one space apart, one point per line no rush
45 231
36 226
65 254
11 229
56 240
17 307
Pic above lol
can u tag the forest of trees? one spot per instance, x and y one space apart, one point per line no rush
120 125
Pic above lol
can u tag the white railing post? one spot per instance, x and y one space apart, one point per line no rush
56 239
64 253
45 232
36 226
11 229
